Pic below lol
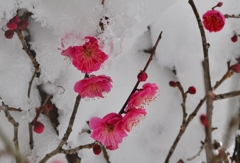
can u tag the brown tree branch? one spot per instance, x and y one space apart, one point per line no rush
144 70
75 150
199 152
227 95
14 109
232 16
30 124
227 75
31 56
105 154
41 109
184 97
31 143
208 128
36 71
207 79
15 138
68 131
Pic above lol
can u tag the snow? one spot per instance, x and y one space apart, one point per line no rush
124 39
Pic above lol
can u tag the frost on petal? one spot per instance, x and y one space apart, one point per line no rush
213 20
94 86
94 123
133 118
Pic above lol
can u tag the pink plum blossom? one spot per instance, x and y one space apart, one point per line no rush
132 118
213 20
143 96
89 57
86 58
94 86
69 52
108 130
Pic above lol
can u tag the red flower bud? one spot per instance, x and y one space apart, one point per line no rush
12 25
97 149
38 127
142 76
204 120
23 24
173 84
234 38
219 4
236 68
192 90
16 19
9 34
48 107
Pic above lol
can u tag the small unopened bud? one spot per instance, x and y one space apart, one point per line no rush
204 120
97 149
173 84
23 24
9 34
38 127
234 38
48 107
192 90
142 76
236 68
219 4
12 25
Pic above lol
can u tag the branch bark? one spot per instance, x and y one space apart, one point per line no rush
144 70
15 138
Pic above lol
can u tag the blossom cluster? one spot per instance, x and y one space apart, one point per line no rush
113 127
88 58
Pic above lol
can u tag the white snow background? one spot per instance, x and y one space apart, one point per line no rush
124 39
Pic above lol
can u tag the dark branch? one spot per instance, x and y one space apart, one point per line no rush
144 70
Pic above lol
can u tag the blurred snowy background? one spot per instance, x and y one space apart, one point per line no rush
124 39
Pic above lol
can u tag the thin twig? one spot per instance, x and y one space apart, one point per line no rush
199 152
41 109
227 75
30 124
184 97
31 143
105 154
75 150
30 83
227 95
14 109
68 131
15 138
103 1
232 16
26 49
205 47
207 79
144 70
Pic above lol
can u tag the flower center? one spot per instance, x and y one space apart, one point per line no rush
214 21
87 52
109 127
